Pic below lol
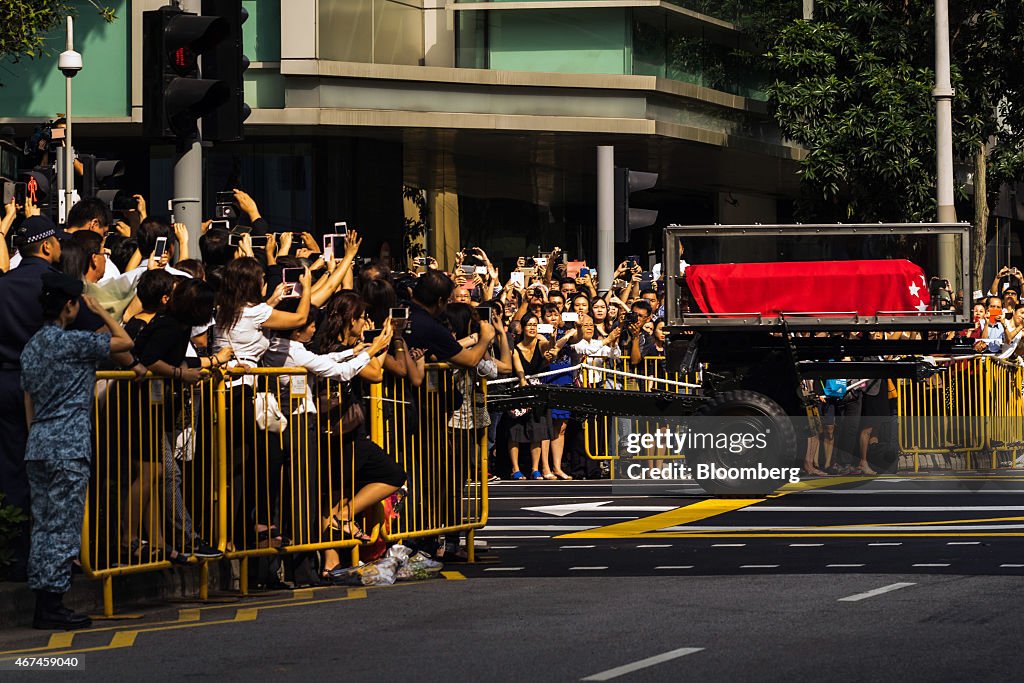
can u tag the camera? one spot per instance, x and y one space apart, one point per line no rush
630 318
70 63
225 208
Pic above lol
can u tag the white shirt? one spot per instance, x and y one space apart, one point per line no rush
110 272
342 366
596 350
135 273
246 336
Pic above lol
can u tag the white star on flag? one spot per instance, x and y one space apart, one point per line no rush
914 289
922 307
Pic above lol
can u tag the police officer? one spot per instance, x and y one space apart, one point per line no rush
58 373
20 318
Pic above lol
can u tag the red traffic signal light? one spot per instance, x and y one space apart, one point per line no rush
174 96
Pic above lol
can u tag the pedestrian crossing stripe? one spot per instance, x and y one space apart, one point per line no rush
654 525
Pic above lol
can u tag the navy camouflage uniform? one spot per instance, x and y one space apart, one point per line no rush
58 371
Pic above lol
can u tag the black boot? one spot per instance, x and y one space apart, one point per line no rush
52 614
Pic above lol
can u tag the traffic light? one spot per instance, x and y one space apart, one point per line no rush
174 96
626 218
100 178
226 63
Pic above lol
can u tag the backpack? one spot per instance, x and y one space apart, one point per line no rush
834 388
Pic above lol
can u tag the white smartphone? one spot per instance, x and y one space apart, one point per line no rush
544 328
226 225
541 261
481 270
570 317
292 278
341 228
518 278
160 248
332 244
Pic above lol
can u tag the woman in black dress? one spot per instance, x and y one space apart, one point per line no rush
534 426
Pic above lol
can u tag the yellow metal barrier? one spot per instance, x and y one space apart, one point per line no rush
175 464
973 410
604 436
438 432
155 468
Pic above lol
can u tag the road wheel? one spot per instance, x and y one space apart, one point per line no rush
743 464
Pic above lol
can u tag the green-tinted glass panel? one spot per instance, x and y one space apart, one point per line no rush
35 88
261 33
562 41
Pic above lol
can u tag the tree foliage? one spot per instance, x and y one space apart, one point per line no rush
853 86
25 23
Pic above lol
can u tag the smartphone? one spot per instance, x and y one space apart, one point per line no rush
485 314
544 328
584 272
20 193
518 277
421 261
341 228
223 225
632 261
292 277
8 192
160 248
470 270
258 241
57 133
481 270
225 207
570 317
331 242
234 239
541 261
370 335
226 197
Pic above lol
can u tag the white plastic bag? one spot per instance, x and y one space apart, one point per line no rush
269 417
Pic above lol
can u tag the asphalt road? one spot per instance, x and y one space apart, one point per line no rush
893 580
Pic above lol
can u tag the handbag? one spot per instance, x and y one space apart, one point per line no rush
342 411
269 417
520 412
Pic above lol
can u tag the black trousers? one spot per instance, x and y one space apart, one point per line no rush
13 480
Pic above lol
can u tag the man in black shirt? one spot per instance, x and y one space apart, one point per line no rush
428 334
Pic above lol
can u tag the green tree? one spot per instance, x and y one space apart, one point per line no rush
853 86
25 23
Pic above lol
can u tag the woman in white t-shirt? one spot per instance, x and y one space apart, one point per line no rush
240 319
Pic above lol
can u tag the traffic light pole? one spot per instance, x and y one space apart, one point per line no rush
187 205
605 216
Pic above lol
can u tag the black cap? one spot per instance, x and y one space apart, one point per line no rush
55 282
38 228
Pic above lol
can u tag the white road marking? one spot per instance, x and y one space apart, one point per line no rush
877 591
1012 566
504 547
675 566
503 569
586 569
535 518
581 547
930 527
882 508
964 543
728 545
885 544
642 664
656 545
489 537
806 545
536 527
596 506
759 566
932 564
838 566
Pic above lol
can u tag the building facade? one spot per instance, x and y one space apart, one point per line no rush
478 120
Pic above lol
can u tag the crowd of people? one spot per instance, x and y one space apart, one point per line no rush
123 292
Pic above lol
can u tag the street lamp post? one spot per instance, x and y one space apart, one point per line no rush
69 63
943 95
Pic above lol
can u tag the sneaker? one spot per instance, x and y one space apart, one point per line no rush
493 478
204 550
421 560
